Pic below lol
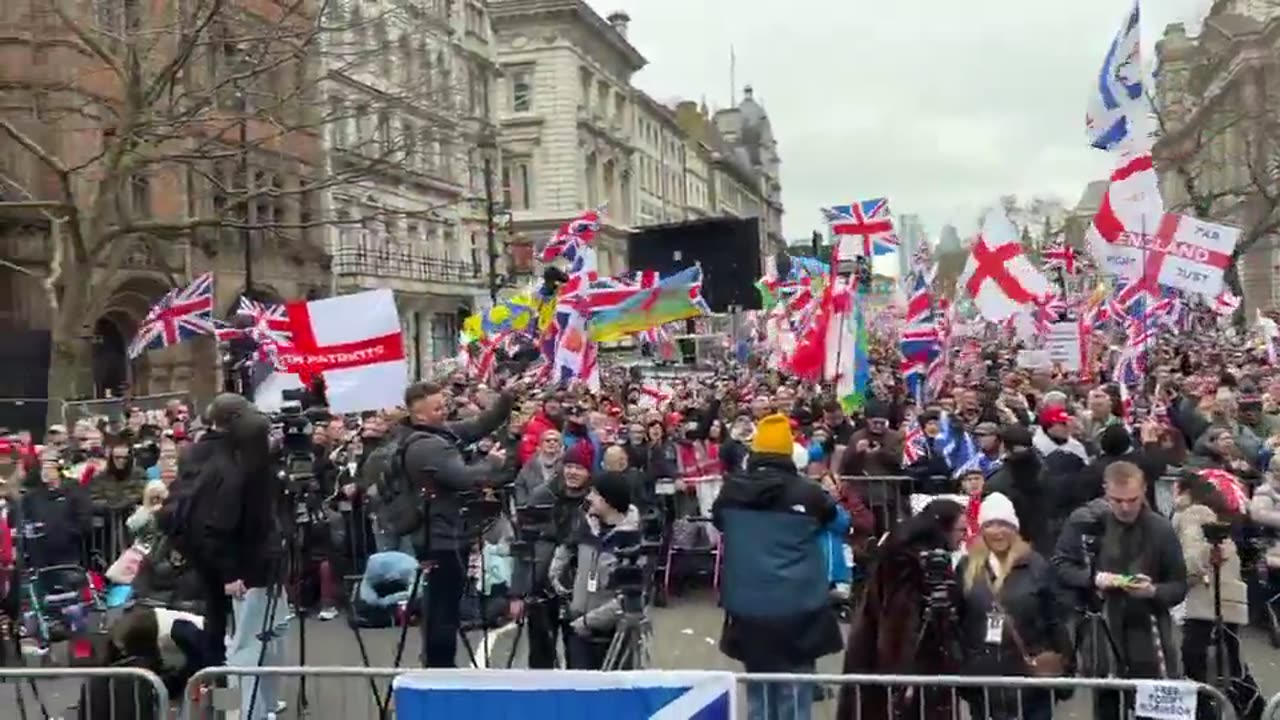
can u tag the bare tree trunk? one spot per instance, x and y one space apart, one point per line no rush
70 349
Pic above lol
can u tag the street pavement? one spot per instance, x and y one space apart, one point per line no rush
686 635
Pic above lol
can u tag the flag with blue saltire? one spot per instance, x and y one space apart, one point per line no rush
1117 117
920 342
565 695
869 222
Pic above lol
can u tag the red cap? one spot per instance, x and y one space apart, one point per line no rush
1054 416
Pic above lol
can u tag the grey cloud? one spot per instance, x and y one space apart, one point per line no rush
940 106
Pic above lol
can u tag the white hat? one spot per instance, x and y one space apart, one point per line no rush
997 508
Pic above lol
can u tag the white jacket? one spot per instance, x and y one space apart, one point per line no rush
1045 445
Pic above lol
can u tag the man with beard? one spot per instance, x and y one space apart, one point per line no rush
1019 479
531 598
1139 572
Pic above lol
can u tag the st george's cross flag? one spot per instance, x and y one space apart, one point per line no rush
565 695
354 342
998 276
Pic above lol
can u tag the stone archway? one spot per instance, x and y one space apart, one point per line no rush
129 302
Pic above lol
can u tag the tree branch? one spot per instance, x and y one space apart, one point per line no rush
34 148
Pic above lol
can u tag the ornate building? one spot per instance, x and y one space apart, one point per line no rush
747 132
1218 98
134 167
567 112
409 93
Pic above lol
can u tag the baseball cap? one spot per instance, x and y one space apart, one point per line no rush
1054 416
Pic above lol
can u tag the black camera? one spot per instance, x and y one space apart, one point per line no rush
938 580
1216 532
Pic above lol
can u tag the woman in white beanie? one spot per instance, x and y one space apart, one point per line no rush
1010 621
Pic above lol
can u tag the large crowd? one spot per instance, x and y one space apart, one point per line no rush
1053 499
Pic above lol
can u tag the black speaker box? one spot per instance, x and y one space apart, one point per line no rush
727 248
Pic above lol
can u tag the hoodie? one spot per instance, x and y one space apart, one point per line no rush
592 596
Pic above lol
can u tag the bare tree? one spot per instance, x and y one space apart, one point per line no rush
209 123
1222 166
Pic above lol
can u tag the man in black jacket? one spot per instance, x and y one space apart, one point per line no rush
562 496
433 460
236 544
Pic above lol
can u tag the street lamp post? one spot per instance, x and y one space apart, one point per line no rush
488 144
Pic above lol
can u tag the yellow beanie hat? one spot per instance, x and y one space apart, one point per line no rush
773 436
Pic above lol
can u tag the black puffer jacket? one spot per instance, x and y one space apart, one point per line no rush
56 521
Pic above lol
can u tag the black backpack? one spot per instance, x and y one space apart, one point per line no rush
403 502
182 516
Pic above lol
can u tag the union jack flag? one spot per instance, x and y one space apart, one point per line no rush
572 237
1061 255
912 444
920 341
269 321
867 219
181 314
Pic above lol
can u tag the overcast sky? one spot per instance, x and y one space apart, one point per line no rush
941 106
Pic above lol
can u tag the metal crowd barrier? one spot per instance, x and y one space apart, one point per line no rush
357 693
787 696
1272 710
97 693
354 693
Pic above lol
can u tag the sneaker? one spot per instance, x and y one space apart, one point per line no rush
327 614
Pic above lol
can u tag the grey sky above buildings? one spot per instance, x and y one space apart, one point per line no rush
940 106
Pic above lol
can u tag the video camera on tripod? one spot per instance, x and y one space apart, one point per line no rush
294 457
939 582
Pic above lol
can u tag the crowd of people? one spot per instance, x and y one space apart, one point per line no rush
1053 499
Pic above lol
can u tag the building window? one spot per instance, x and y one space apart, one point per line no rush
522 90
337 113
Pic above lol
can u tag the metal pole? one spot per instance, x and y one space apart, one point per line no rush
244 178
490 235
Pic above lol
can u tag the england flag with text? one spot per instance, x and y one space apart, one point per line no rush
565 695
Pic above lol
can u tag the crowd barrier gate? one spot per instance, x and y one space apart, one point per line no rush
114 692
943 695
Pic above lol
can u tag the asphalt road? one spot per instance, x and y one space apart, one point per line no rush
686 635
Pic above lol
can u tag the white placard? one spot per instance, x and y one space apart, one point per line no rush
1165 701
1062 343
1034 359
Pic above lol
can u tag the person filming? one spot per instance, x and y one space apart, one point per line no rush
434 464
563 494
1118 552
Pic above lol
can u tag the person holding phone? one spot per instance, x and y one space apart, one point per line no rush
1120 551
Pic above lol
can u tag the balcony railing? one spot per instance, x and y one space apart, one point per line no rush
403 263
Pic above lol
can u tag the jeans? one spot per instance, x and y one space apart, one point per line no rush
244 649
781 701
440 603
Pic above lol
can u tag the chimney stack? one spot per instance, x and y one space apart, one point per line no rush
619 20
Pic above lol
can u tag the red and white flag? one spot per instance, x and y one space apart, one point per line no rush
998 276
355 343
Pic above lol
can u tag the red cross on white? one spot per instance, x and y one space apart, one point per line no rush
998 276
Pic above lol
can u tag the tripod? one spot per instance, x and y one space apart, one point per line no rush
1093 620
384 703
629 649
268 632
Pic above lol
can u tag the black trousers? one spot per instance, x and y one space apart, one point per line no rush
542 629
588 653
1197 639
217 610
440 604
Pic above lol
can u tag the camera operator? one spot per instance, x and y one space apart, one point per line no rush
611 528
907 621
1202 518
1118 549
563 493
433 461
228 518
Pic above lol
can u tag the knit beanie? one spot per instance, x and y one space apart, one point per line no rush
773 436
581 454
614 489
997 507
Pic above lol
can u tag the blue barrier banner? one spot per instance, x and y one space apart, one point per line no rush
564 695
